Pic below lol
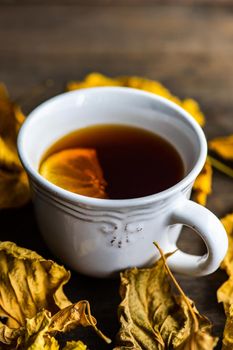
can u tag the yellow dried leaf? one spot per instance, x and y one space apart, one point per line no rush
8 157
33 334
39 332
14 187
11 116
223 146
92 80
73 345
225 292
227 342
33 306
28 284
97 79
227 263
193 108
19 117
200 340
203 185
153 317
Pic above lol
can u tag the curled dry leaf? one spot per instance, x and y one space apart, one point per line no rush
203 185
39 332
31 295
14 186
28 284
153 317
223 146
96 79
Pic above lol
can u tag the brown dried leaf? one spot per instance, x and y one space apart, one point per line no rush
223 146
203 185
152 317
96 79
14 187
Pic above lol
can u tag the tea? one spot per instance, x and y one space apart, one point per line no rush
134 162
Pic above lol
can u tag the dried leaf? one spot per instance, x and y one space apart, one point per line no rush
224 295
227 343
39 332
227 263
73 345
28 284
199 341
31 296
96 79
8 156
152 317
225 292
11 117
223 146
203 185
92 80
14 187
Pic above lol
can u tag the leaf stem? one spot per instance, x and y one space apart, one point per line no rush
98 331
195 320
220 166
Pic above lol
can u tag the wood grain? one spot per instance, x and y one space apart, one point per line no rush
187 47
141 3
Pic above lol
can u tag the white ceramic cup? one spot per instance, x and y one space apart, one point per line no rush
100 237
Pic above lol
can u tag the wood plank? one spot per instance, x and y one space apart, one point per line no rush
190 49
141 3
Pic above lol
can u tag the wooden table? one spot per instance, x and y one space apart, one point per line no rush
188 47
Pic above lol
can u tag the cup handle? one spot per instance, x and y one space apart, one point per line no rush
210 229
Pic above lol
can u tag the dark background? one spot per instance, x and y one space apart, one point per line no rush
187 45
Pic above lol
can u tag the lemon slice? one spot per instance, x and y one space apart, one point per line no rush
76 170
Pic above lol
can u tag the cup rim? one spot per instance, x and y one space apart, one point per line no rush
75 198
